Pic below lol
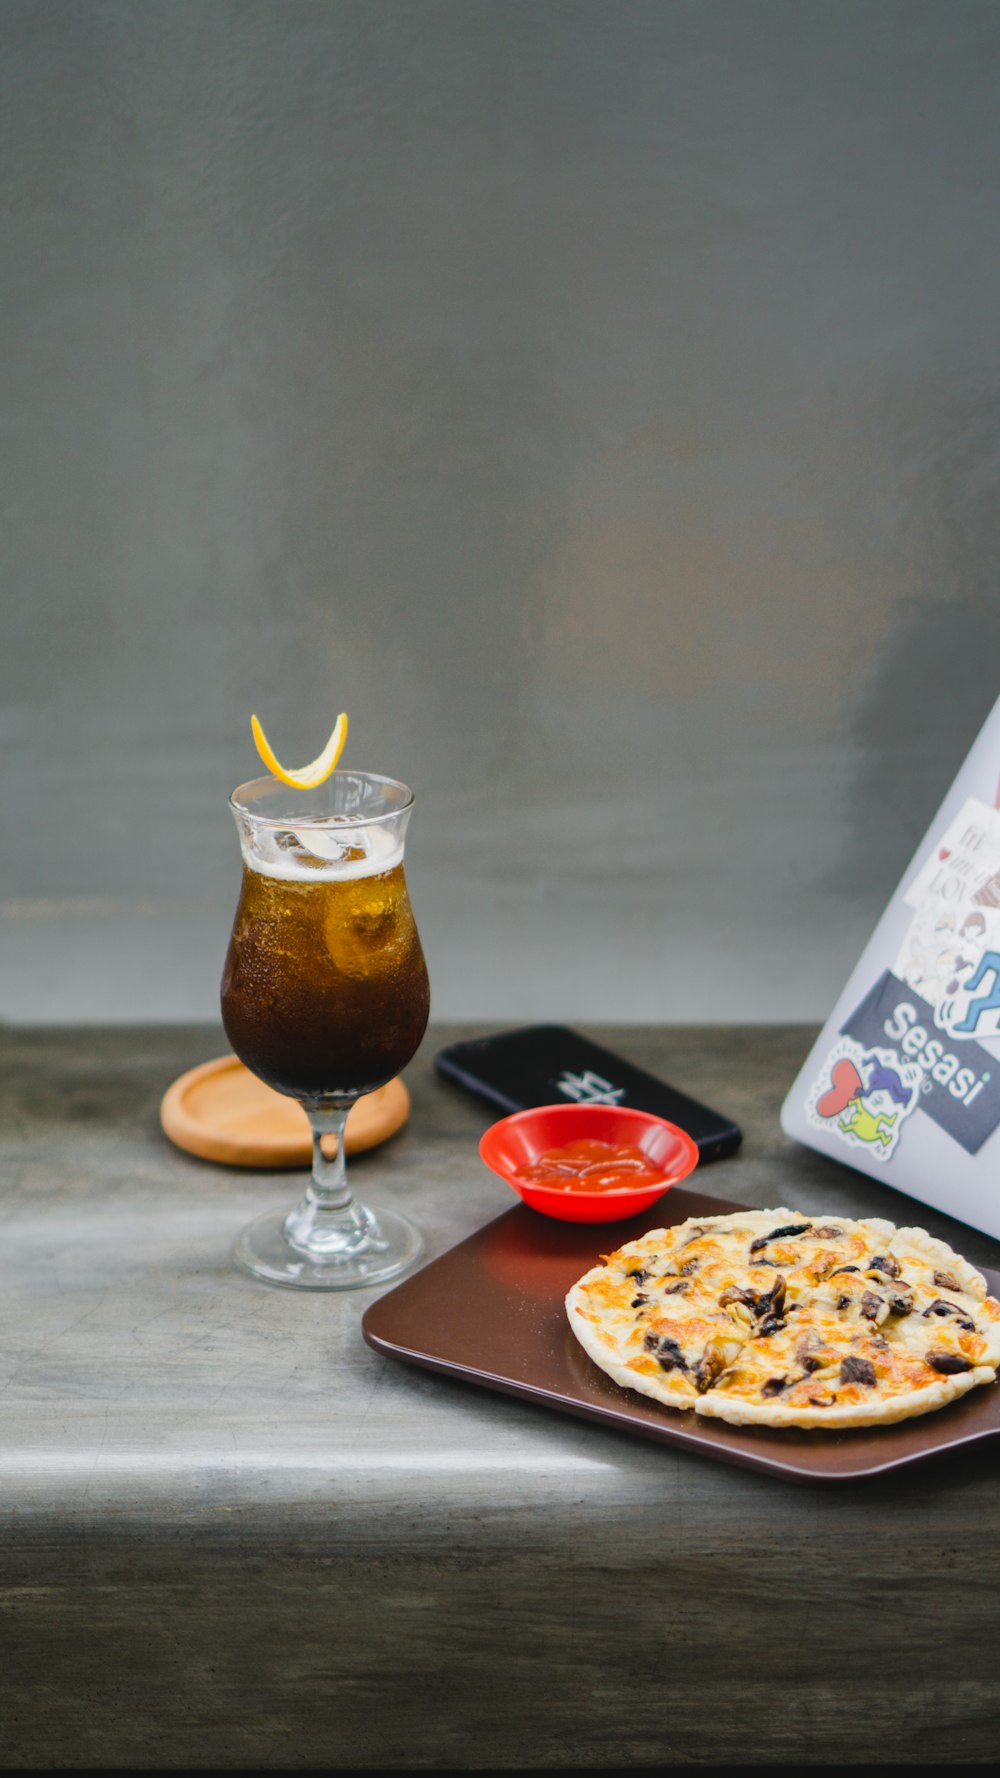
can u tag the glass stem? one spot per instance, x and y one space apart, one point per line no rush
329 1177
329 1223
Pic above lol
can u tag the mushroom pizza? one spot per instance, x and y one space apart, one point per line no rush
774 1318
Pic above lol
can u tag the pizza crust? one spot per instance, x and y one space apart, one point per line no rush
937 1256
674 1391
727 1315
835 1418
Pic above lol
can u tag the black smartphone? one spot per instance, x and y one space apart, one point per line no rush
549 1064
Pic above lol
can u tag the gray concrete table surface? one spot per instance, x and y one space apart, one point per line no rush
235 1537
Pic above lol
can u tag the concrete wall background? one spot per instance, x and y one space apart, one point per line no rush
599 401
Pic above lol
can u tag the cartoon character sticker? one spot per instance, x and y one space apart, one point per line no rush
865 1096
951 953
940 950
971 1007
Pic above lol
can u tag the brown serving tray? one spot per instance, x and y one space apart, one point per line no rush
491 1311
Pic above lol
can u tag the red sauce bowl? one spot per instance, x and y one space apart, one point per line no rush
518 1141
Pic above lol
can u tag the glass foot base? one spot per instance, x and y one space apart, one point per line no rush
390 1247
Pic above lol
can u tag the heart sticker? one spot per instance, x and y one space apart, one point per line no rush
847 1084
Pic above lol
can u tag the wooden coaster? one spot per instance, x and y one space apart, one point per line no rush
222 1112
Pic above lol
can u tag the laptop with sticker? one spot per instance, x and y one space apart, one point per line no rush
903 1081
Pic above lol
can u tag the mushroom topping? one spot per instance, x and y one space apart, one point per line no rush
885 1263
828 1233
945 1281
743 1318
770 1308
857 1370
710 1365
637 1301
948 1363
824 1400
733 1293
901 1304
787 1229
942 1308
638 1274
774 1385
772 1302
689 1266
841 1269
873 1307
811 1352
678 1289
668 1354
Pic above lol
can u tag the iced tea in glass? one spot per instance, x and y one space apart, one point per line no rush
325 996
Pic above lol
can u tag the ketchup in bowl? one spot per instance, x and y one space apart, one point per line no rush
588 1165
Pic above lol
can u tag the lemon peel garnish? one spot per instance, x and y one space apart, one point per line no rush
318 769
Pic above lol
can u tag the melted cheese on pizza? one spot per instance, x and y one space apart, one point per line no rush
783 1319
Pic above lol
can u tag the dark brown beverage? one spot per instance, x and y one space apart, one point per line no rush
325 991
